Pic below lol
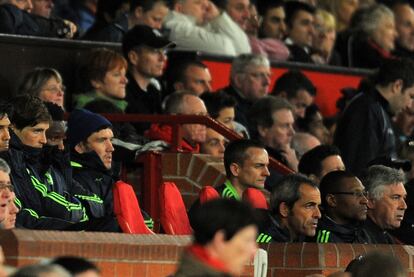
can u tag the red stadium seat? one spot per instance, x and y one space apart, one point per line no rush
127 210
208 193
256 198
173 214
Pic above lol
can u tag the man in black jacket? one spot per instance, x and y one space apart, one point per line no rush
294 210
365 130
344 203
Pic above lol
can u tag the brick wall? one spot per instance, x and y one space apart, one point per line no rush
192 171
157 255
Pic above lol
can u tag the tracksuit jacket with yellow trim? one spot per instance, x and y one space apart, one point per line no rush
46 194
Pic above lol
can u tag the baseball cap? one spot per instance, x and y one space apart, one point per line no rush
144 35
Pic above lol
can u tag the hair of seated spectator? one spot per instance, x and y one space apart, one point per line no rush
34 81
291 82
373 17
333 182
55 111
174 102
311 161
5 109
215 102
241 63
328 18
4 166
146 5
75 265
293 7
376 264
28 111
236 152
265 5
261 113
99 62
227 215
395 69
310 113
176 72
39 270
287 190
379 177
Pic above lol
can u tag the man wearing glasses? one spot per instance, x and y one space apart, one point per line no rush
345 207
386 203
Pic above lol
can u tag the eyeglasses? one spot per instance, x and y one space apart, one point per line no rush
56 90
357 194
260 75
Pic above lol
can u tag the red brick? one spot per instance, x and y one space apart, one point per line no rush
169 164
139 269
197 165
124 270
107 269
275 254
346 254
209 176
402 255
183 164
329 254
154 270
169 269
293 254
310 255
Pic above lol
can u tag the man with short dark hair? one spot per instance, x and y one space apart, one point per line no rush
300 19
297 89
319 161
404 24
344 203
294 210
365 130
273 14
4 126
386 203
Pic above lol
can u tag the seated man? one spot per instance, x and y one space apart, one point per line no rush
42 177
4 126
6 195
344 203
90 141
224 240
193 134
319 161
294 210
386 203
214 145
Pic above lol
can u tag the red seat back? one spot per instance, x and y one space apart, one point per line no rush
127 210
256 198
208 193
173 214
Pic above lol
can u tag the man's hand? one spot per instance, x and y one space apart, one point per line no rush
72 28
211 12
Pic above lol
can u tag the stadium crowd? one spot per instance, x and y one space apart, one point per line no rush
352 180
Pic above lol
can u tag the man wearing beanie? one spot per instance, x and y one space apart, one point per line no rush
46 194
89 136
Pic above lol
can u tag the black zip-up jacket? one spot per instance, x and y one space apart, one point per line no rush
275 232
377 235
365 131
329 231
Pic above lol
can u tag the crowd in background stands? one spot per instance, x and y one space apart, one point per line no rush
59 175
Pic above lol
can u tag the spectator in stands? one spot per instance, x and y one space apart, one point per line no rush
144 49
274 49
404 23
294 210
312 122
41 270
386 202
15 19
324 38
297 89
177 103
187 26
46 194
273 19
319 161
224 240
190 75
77 266
365 132
221 107
42 7
272 123
374 44
8 209
214 145
249 81
104 75
377 263
55 135
344 204
141 12
342 10
45 83
303 142
300 19
5 112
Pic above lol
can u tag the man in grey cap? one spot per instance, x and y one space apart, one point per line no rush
145 50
